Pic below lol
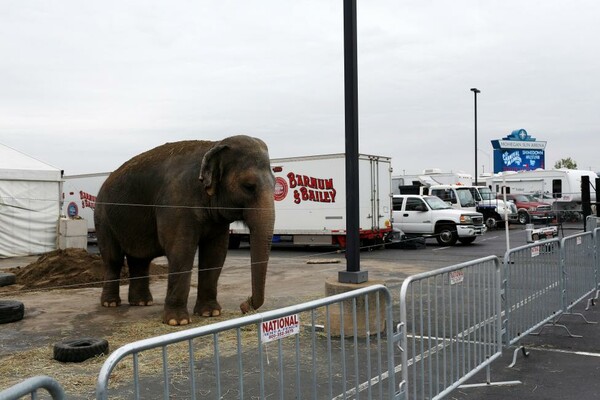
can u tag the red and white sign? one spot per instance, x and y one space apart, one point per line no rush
279 328
457 277
281 189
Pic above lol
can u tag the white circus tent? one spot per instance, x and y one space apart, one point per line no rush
30 194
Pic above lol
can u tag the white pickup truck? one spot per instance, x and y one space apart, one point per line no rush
430 216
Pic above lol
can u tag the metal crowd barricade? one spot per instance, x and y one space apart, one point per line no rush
31 386
579 267
533 287
596 235
450 326
311 355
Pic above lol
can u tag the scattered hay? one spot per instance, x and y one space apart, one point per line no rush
70 268
79 379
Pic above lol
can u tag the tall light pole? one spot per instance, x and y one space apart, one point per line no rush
475 91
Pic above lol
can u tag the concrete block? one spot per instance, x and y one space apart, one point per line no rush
77 242
333 287
72 227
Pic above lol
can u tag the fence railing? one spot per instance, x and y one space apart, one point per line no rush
579 268
533 286
454 322
302 351
31 386
450 325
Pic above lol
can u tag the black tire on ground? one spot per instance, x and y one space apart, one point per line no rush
523 217
467 240
7 278
11 311
78 350
446 235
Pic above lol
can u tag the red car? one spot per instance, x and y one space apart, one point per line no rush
529 209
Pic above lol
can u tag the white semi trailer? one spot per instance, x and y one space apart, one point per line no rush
79 197
310 201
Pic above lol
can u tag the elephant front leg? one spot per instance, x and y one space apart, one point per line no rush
211 257
178 290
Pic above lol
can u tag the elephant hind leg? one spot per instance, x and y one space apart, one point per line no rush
113 262
139 281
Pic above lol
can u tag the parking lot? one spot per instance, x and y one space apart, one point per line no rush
556 363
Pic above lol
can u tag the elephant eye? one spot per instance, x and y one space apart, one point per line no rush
249 187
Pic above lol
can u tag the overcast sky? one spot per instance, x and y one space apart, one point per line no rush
84 86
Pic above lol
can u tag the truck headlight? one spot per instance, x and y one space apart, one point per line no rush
466 219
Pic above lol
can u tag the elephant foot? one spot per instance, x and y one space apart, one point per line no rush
110 302
208 309
110 296
141 303
176 317
141 300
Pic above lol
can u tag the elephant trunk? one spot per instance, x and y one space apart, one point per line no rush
260 221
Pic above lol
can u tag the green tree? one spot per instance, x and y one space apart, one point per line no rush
568 163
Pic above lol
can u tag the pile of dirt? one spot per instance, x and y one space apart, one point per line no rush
70 269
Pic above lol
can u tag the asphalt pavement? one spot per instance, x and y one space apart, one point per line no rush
557 366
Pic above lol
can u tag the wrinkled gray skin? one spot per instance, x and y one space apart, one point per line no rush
179 198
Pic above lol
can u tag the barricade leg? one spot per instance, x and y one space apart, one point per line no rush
554 324
514 360
592 301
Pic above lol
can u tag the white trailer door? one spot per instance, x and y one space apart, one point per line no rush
375 192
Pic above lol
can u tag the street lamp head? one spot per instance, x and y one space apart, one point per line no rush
475 90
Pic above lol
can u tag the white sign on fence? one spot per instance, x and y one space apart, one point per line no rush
457 276
279 328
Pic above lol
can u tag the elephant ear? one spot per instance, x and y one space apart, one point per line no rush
209 168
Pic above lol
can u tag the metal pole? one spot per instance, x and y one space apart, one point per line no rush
475 91
586 205
597 188
352 273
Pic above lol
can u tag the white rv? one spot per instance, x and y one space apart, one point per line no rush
409 184
561 187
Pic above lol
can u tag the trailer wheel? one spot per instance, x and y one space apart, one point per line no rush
7 278
78 350
11 311
446 235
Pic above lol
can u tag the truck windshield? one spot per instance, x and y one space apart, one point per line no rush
436 203
465 197
486 193
475 193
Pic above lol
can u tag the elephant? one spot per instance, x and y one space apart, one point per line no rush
177 199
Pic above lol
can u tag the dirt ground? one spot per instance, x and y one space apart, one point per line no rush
68 269
61 294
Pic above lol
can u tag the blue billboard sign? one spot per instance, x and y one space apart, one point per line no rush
518 152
